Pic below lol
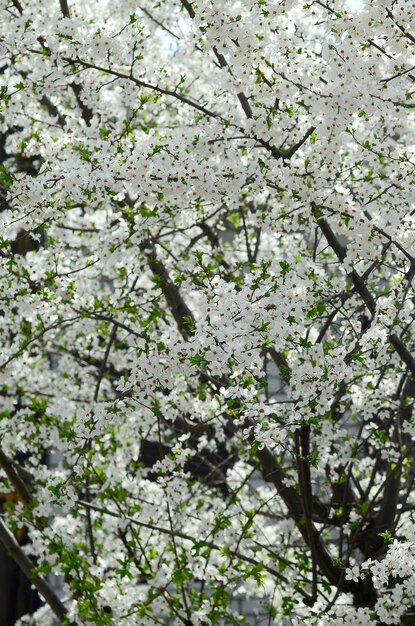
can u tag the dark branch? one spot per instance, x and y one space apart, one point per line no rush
15 477
182 314
28 569
64 8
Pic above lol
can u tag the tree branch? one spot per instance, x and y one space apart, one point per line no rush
64 8
277 153
273 472
28 569
15 476
223 64
363 291
177 533
180 311
302 449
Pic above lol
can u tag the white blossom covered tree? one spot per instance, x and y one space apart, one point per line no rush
196 197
